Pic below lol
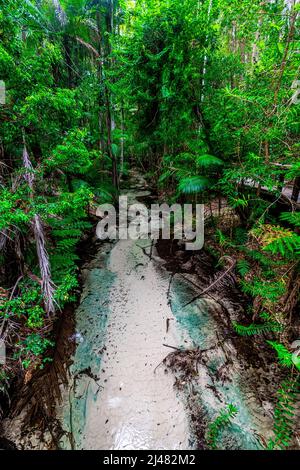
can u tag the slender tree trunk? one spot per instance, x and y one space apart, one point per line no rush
68 60
100 78
122 141
296 190
254 58
290 38
204 71
115 177
110 122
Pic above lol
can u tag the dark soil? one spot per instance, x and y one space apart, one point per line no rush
255 356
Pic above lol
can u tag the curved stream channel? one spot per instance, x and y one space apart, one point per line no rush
120 395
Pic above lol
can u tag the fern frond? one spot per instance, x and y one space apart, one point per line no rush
253 329
194 184
240 236
291 217
165 176
243 267
222 421
284 356
284 415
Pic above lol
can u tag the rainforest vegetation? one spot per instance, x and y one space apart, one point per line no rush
202 97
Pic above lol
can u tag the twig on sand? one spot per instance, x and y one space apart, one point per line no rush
144 248
168 324
233 263
209 295
169 288
172 347
158 366
167 346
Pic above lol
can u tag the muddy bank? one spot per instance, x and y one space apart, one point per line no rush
221 368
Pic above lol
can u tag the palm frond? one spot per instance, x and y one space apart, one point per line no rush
88 46
166 175
91 24
47 285
29 176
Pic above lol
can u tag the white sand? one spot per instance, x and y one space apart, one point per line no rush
137 408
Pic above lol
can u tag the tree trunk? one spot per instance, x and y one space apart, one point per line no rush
206 57
290 38
122 141
68 60
115 177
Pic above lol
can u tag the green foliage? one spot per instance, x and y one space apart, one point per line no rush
34 346
185 168
289 243
27 306
253 329
193 185
219 424
72 154
291 217
284 414
285 357
243 267
54 99
240 236
277 240
11 211
268 290
208 161
221 238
